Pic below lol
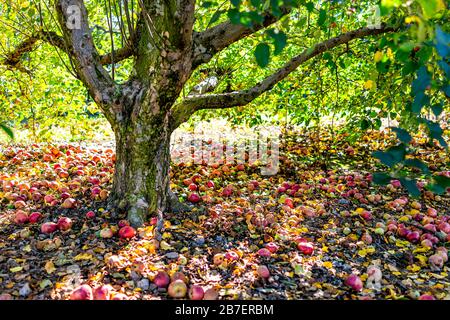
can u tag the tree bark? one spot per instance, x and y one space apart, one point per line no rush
141 182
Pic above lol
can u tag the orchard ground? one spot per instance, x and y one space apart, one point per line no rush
318 229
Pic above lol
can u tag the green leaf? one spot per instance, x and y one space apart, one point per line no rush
216 16
7 130
381 178
416 163
280 40
364 124
442 42
262 54
402 135
431 7
322 17
385 158
236 3
411 186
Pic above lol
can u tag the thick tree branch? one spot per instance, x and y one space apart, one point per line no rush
119 55
217 38
73 19
13 58
182 111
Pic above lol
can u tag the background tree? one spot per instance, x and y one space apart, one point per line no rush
157 46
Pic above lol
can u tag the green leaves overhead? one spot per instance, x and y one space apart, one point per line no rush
431 7
279 40
402 135
262 54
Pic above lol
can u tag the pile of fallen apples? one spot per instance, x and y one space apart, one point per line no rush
177 287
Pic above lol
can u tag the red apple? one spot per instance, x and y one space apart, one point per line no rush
161 279
83 292
431 212
444 226
193 187
35 217
210 294
306 248
49 198
21 217
366 215
65 195
64 223
194 198
196 292
102 292
354 282
272 247
49 227
210 184
263 252
90 214
263 272
289 203
127 232
430 227
413 236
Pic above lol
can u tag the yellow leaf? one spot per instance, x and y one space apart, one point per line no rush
328 264
166 235
411 19
83 256
165 246
422 259
378 56
369 84
49 267
413 268
16 269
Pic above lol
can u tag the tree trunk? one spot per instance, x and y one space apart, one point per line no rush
141 182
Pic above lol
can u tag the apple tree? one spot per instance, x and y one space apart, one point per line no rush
156 47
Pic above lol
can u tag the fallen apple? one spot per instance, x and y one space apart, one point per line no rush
179 276
211 294
49 227
83 292
21 217
161 279
177 289
196 292
35 217
354 282
306 248
102 292
127 232
64 223
263 271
